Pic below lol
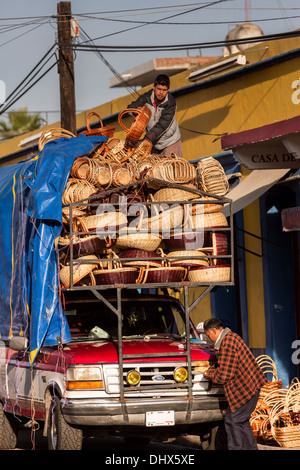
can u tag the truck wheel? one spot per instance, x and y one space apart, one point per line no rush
62 436
8 430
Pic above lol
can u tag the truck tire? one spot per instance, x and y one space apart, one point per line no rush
8 430
61 435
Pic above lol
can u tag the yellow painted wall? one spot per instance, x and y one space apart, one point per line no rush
254 277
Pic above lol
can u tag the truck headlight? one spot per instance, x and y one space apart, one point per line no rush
84 378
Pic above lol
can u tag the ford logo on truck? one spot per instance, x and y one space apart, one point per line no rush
158 378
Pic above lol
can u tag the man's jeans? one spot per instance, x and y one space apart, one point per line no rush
238 429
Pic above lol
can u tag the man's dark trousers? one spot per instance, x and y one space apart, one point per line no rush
238 429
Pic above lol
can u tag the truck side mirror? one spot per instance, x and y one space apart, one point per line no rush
18 343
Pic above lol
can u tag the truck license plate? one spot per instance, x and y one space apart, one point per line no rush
160 418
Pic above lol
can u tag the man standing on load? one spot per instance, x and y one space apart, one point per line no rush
238 371
162 129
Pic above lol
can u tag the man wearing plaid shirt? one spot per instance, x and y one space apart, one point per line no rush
242 378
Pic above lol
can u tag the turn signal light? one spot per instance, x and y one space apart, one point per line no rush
86 385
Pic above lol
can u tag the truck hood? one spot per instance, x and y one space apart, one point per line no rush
107 351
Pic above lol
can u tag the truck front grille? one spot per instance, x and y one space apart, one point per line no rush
154 377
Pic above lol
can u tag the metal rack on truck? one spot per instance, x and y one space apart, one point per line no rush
184 285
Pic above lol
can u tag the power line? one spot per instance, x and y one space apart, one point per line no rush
173 47
196 23
27 83
165 18
111 68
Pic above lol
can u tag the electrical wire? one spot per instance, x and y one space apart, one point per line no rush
28 82
165 18
111 68
197 23
176 47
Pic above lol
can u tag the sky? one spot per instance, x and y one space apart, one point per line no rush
28 30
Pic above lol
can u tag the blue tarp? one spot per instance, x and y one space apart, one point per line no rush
30 222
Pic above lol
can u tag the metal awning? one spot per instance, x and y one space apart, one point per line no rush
252 187
272 146
290 219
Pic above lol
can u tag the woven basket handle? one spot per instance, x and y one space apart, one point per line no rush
164 262
89 118
79 221
126 111
140 277
151 199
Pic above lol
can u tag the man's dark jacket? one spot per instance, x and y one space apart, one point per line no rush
162 129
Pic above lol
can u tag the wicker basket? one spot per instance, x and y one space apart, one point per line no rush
209 274
139 125
96 171
53 134
211 176
219 247
285 433
132 238
179 240
166 220
164 275
116 276
108 221
209 220
104 131
80 269
173 170
190 258
169 194
82 246
147 255
77 190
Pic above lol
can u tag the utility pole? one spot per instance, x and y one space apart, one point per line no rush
66 68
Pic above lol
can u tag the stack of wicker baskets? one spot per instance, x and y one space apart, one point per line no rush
173 215
277 414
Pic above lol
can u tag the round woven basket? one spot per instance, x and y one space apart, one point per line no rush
166 220
131 238
186 240
139 125
148 255
189 258
104 131
173 170
205 207
164 275
169 194
105 222
80 269
211 176
210 274
82 246
77 190
219 247
116 276
209 220
53 134
96 171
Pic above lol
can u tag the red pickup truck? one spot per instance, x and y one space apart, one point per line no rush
155 390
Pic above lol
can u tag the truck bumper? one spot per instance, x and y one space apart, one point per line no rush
133 413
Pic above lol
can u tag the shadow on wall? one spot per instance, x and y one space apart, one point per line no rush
203 123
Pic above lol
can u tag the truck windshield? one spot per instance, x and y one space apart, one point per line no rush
95 320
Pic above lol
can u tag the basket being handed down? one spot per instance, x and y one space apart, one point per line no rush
139 125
